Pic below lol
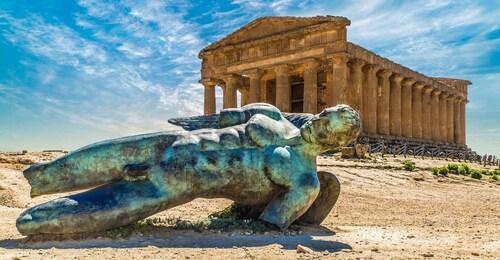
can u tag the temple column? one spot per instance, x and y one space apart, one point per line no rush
463 119
339 78
435 126
354 91
443 121
255 85
310 87
209 97
416 103
229 99
383 96
370 82
456 121
406 107
450 118
245 98
283 88
395 104
426 113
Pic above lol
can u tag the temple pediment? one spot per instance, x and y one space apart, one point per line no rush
269 26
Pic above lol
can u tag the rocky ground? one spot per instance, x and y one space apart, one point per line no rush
383 212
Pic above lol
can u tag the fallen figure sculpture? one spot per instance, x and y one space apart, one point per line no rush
252 155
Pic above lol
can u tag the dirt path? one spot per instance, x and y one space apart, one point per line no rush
383 212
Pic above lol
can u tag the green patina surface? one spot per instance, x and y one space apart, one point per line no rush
257 158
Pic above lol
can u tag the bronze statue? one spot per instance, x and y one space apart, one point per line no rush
255 157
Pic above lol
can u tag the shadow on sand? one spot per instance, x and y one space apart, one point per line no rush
317 240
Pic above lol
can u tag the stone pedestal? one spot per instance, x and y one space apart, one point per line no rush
310 87
383 96
406 107
283 88
395 104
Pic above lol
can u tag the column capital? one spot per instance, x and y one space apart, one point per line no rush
281 69
310 63
255 73
370 68
356 63
209 82
428 89
230 78
436 92
418 85
338 58
444 95
397 77
453 98
408 81
385 73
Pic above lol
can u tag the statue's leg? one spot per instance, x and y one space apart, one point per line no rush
327 197
113 205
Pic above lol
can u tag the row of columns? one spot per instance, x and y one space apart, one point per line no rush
388 102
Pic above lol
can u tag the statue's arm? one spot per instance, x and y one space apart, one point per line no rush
236 116
293 202
265 131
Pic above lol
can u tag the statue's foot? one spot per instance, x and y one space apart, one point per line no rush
327 197
113 205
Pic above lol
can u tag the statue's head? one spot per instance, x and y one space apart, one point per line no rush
333 127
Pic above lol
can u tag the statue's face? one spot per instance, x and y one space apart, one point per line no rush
335 126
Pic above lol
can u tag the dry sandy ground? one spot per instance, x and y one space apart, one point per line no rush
383 212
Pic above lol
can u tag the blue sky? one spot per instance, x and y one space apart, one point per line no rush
76 72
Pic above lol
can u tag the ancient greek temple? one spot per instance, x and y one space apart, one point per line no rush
306 64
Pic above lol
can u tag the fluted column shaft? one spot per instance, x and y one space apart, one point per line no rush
443 120
245 96
283 88
463 122
383 96
417 110
355 93
209 97
450 119
370 81
229 99
310 104
395 104
435 127
406 107
426 113
339 79
255 86
456 121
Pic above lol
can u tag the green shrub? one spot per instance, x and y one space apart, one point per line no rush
453 168
475 174
466 168
494 177
443 171
462 170
485 172
496 172
409 166
435 170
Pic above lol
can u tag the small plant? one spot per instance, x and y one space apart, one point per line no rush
466 168
443 171
462 170
435 170
485 172
409 166
494 177
453 168
475 174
